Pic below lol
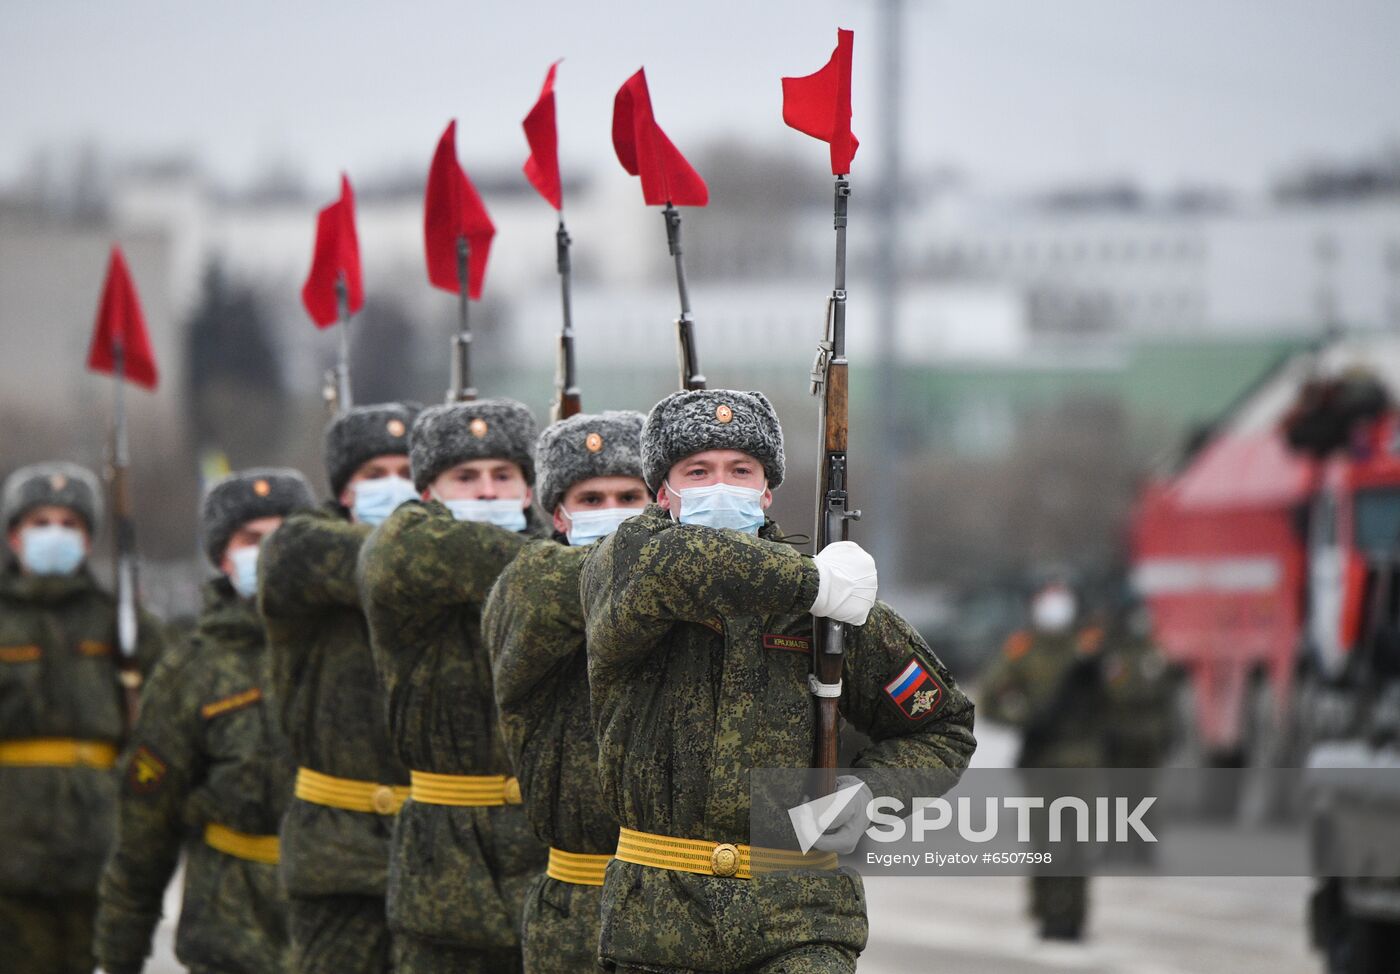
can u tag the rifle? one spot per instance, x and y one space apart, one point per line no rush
568 399
462 389
335 386
834 514
128 666
691 377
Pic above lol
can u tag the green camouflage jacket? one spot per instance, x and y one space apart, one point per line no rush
533 625
329 701
457 874
1050 687
206 750
58 679
699 642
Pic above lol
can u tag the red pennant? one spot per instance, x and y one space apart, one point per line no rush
337 252
542 168
644 150
121 323
452 209
820 104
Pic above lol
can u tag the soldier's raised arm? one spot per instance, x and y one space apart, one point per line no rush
901 695
422 557
653 573
533 620
308 564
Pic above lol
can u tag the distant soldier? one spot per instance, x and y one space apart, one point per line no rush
1138 684
1048 683
349 785
463 851
208 773
699 625
62 720
590 478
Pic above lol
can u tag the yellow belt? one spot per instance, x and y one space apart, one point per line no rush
254 848
351 795
63 752
464 790
725 859
579 868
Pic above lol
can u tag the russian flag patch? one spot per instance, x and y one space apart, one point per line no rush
916 692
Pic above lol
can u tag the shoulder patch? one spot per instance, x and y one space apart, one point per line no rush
1017 645
916 692
20 654
92 647
145 772
793 644
229 704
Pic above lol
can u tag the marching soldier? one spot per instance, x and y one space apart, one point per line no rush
590 478
349 784
208 770
699 622
1138 684
62 720
463 852
1048 683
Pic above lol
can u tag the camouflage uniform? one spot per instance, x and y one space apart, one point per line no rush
208 771
58 681
534 627
699 643
1050 686
334 860
1138 687
457 874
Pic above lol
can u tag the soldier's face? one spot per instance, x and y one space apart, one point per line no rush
600 493
385 465
249 535
714 467
49 515
482 480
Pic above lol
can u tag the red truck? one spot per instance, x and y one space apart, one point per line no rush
1254 554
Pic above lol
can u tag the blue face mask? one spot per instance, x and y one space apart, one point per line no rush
244 578
586 527
506 513
52 549
376 499
720 506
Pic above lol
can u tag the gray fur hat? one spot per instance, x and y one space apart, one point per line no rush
607 444
365 432
444 436
711 419
246 495
65 484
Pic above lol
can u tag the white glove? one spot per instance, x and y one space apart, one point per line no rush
844 832
848 581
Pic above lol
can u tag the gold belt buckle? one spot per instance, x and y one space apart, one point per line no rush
512 791
383 800
88 753
724 860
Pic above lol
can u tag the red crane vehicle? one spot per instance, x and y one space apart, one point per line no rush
1255 554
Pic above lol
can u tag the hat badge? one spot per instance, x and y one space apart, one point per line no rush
593 442
478 428
262 488
395 427
723 413
58 481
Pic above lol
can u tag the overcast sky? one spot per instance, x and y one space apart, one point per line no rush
1018 93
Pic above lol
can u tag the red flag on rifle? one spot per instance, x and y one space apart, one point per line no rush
542 168
644 150
452 209
337 253
120 323
820 104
